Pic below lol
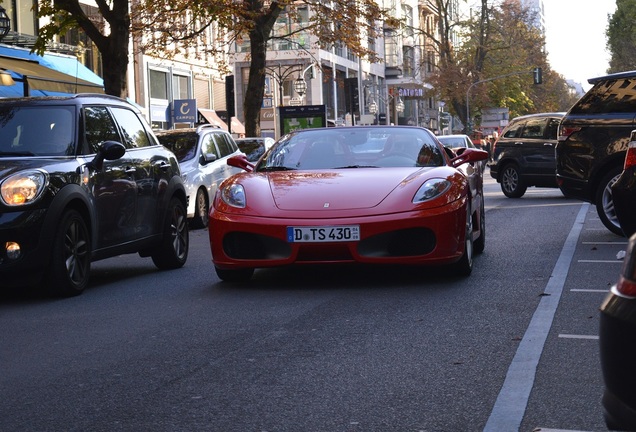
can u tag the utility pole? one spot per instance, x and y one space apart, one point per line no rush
536 72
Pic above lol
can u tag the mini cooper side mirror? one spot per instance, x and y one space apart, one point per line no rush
109 150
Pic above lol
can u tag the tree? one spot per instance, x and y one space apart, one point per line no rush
112 40
339 22
492 65
621 37
175 27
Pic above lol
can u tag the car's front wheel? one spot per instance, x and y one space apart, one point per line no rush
512 184
605 203
234 275
480 244
200 219
465 265
173 250
70 264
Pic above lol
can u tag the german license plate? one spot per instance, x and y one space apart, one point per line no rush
323 234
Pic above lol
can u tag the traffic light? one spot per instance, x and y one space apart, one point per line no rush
537 73
351 95
229 97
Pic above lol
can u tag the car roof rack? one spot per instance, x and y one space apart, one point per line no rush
207 126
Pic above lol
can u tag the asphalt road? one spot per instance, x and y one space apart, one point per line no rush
512 347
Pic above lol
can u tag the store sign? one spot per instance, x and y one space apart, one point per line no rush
410 92
185 110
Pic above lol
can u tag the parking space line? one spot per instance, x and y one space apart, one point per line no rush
601 261
589 290
571 336
618 243
512 400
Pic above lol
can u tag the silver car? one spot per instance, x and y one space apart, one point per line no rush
202 153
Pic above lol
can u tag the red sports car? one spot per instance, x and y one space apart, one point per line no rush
376 195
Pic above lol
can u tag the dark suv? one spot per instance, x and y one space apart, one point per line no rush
593 139
524 154
83 178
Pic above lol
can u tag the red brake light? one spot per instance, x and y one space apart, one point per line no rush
630 157
626 287
566 131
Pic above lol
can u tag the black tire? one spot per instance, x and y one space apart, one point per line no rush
605 204
236 275
201 206
172 253
464 266
480 244
512 184
70 264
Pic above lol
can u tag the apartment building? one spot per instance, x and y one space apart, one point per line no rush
351 89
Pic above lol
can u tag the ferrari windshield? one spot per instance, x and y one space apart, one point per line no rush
354 147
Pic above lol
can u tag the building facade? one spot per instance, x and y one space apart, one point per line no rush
353 90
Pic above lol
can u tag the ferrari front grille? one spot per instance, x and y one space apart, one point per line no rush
249 246
399 243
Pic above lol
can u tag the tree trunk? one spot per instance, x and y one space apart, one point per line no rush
115 61
253 100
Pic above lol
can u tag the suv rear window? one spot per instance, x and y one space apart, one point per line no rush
610 96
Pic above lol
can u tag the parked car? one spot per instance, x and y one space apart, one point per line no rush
593 138
459 141
523 155
456 141
624 191
202 153
617 336
322 196
83 178
254 148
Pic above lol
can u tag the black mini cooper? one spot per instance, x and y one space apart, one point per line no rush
83 178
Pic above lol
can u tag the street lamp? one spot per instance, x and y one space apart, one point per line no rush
373 107
300 86
5 23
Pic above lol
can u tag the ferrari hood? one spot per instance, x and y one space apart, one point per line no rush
345 189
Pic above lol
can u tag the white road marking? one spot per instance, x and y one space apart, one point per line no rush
571 336
512 400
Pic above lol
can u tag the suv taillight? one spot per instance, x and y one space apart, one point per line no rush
630 157
626 284
566 131
626 287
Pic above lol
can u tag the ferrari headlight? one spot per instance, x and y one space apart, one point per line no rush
233 195
23 188
431 189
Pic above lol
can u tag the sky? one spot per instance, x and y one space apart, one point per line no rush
575 37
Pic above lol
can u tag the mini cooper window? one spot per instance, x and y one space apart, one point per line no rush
37 131
134 132
99 127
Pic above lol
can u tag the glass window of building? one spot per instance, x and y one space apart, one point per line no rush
158 81
180 87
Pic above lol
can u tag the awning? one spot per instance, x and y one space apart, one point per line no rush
237 126
46 75
210 116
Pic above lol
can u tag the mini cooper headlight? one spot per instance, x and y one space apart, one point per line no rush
234 195
23 188
431 189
